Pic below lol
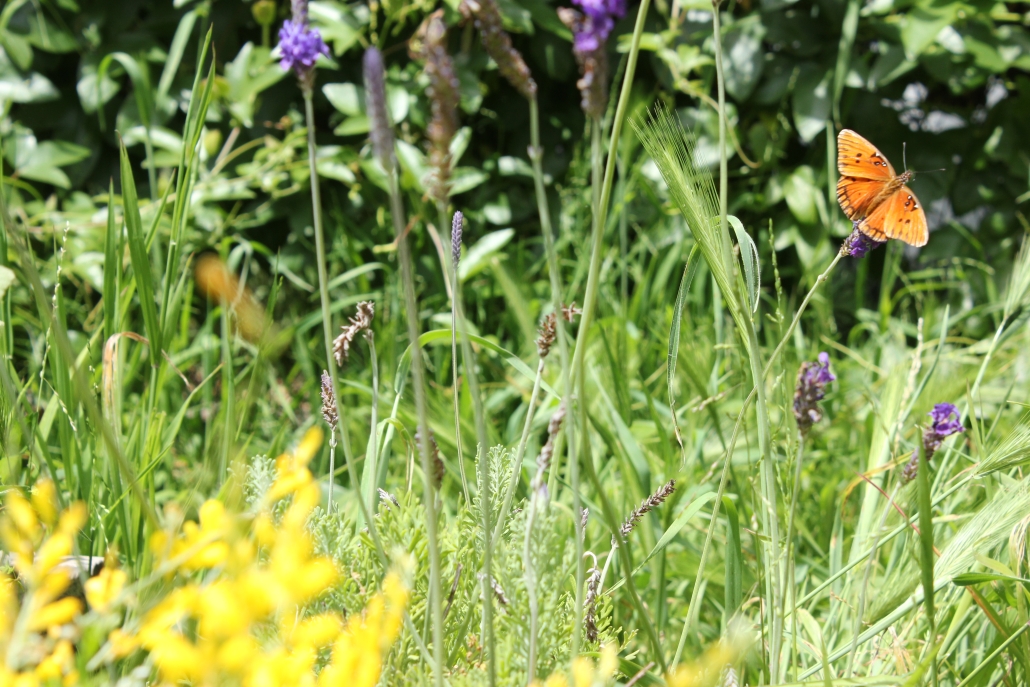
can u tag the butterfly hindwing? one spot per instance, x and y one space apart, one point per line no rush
857 157
873 225
905 218
856 196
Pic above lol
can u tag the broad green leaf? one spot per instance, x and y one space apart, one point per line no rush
478 256
464 179
811 101
253 71
799 190
745 56
923 23
340 25
412 161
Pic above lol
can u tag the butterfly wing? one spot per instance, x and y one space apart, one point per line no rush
857 157
872 226
905 218
856 196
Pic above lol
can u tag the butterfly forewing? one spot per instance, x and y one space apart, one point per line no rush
857 157
856 196
905 218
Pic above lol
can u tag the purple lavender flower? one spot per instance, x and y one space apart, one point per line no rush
857 244
598 22
810 389
300 46
946 422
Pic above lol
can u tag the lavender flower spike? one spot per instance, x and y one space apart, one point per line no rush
857 244
810 389
300 46
946 422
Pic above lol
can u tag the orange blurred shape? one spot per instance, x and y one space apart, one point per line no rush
217 283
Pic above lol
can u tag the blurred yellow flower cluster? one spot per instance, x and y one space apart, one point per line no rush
245 620
585 673
36 634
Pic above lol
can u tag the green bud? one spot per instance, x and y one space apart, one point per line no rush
264 12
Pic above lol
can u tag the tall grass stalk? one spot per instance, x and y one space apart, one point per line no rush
520 452
421 411
536 154
381 134
320 258
586 320
926 557
469 359
769 515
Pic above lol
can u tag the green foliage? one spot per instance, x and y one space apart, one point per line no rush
136 386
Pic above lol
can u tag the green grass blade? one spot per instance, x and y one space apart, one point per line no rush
689 270
140 259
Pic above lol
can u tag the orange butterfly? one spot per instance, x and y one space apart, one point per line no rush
873 196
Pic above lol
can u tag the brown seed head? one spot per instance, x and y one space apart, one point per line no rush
647 505
547 335
329 411
487 19
360 322
380 130
429 45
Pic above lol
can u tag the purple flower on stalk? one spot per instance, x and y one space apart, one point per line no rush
810 389
857 244
598 22
946 422
300 46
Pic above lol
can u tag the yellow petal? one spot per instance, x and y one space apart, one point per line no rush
59 612
102 589
44 500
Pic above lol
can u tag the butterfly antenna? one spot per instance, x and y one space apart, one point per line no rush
904 154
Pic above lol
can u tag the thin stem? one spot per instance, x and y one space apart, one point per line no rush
418 382
520 452
320 259
530 575
860 611
770 520
926 546
601 210
483 463
536 153
789 576
332 468
694 594
323 289
801 309
457 392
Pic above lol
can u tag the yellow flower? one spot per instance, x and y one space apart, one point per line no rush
44 500
104 588
60 612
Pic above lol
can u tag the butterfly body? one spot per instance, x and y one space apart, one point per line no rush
873 196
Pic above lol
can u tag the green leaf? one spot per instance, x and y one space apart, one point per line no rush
6 279
140 258
969 579
922 25
749 258
689 270
745 57
248 75
340 25
17 47
546 18
477 257
799 190
811 101
464 179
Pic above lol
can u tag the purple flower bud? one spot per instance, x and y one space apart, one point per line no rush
300 47
946 422
857 244
810 389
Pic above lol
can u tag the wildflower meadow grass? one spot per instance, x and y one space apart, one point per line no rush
640 446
